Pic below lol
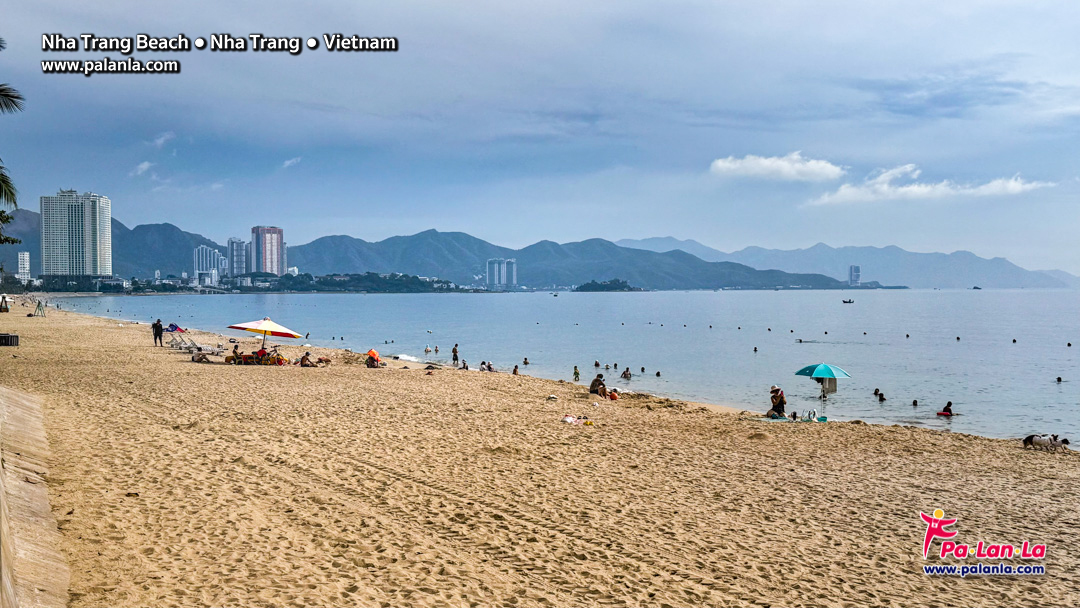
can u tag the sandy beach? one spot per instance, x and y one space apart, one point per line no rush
184 484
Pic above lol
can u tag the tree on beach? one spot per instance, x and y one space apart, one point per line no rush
10 101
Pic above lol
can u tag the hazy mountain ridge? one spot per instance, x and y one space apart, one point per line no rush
888 265
456 256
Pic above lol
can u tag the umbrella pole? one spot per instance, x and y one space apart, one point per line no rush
264 340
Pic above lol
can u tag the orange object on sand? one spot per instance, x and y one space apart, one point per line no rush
374 354
614 396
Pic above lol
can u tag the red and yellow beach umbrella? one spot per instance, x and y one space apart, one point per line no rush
266 327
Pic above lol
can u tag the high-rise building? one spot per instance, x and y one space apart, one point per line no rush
237 257
501 274
268 250
854 275
76 234
24 266
208 264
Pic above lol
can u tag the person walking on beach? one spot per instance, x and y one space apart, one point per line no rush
778 402
455 353
159 333
577 374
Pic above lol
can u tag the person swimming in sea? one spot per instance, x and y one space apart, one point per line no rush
947 409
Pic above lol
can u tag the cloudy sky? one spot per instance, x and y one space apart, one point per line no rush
933 126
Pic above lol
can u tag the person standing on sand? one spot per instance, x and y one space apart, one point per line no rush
577 374
454 352
159 333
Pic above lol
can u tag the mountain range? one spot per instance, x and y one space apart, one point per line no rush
459 257
886 265
657 263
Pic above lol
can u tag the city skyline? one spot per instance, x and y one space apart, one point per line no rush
929 127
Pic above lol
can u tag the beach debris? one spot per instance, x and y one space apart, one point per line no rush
132 494
856 422
552 398
759 436
595 404
431 367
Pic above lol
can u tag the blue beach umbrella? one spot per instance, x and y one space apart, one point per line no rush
822 370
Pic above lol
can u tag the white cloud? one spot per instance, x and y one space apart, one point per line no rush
290 162
883 186
792 167
217 186
163 139
141 168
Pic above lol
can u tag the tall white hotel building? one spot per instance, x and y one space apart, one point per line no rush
76 234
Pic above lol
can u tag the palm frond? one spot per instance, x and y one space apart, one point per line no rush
10 99
8 194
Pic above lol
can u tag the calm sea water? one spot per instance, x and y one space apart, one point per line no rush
1001 389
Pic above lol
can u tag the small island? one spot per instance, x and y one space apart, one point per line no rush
612 285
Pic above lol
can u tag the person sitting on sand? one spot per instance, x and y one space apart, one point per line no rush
305 361
947 409
776 396
237 358
577 374
515 372
200 357
597 387
464 365
626 373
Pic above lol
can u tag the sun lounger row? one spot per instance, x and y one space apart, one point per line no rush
191 346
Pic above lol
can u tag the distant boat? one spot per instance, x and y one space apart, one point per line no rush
848 301
977 287
555 294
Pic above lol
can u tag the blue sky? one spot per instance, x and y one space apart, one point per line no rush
932 126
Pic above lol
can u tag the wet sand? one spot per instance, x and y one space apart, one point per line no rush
184 484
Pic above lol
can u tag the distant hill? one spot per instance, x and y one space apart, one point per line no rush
887 265
461 258
456 256
668 243
1070 280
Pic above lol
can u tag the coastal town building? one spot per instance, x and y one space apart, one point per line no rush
501 274
76 234
854 275
24 267
208 265
268 250
237 257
